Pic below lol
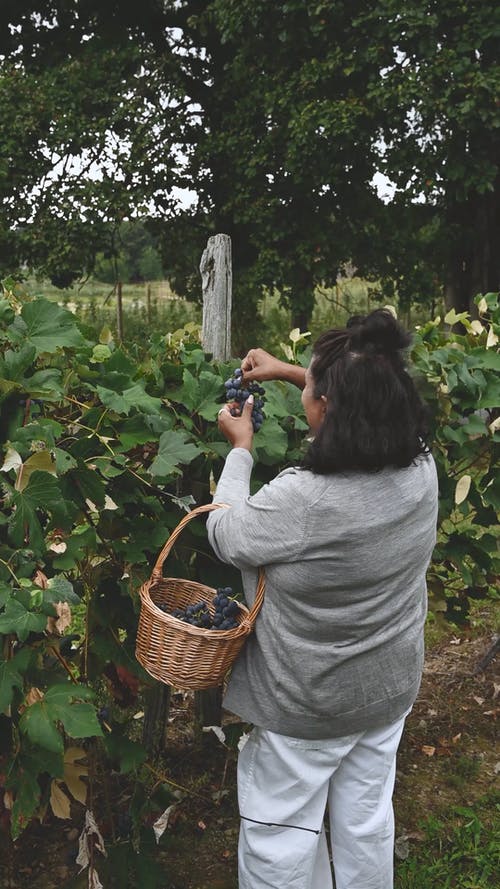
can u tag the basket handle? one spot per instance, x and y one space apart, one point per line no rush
157 572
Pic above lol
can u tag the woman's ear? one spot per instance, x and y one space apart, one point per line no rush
324 401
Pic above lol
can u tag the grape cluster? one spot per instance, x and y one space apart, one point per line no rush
237 393
198 615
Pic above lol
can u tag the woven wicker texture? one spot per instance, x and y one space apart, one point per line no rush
174 652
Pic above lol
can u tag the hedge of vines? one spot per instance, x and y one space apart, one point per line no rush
103 449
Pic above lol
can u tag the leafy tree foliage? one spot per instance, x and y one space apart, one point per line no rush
277 116
441 132
137 258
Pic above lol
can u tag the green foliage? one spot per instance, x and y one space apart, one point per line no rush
276 117
137 257
461 372
104 448
460 850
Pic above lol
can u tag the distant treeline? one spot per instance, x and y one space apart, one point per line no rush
138 257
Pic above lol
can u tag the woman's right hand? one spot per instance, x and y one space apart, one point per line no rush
259 365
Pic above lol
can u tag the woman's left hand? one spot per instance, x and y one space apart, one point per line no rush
238 430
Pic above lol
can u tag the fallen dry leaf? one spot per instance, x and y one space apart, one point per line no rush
74 770
428 750
34 696
59 800
60 547
57 625
161 824
90 838
41 580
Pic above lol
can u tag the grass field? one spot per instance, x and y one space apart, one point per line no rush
155 307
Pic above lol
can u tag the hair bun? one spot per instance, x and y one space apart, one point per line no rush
379 333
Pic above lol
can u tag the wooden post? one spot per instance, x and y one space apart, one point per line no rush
148 303
156 710
207 708
216 279
217 283
119 312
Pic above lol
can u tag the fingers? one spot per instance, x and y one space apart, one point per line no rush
248 406
248 361
251 363
237 430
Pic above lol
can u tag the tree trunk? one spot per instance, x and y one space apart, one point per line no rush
474 255
302 298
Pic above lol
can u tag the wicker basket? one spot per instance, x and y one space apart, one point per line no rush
177 653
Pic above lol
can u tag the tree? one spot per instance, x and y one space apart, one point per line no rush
137 260
277 116
441 132
79 111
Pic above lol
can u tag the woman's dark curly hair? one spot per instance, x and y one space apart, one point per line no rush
374 415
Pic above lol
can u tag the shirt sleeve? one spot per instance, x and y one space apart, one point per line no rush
262 529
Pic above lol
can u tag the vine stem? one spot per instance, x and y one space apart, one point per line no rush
469 465
162 778
3 562
64 663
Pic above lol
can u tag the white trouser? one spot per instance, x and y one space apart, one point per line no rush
284 785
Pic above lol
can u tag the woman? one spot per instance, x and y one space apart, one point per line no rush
335 662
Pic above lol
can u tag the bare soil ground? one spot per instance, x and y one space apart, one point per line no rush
448 757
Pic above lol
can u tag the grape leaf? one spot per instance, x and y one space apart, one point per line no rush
80 720
134 397
11 676
42 491
16 363
174 448
39 721
47 326
16 619
202 394
142 428
27 790
129 754
60 590
271 442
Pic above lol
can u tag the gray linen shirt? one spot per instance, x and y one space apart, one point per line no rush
338 645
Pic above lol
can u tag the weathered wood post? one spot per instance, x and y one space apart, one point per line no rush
217 283
217 279
156 711
148 303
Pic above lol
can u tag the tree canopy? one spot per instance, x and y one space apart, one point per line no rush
277 116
